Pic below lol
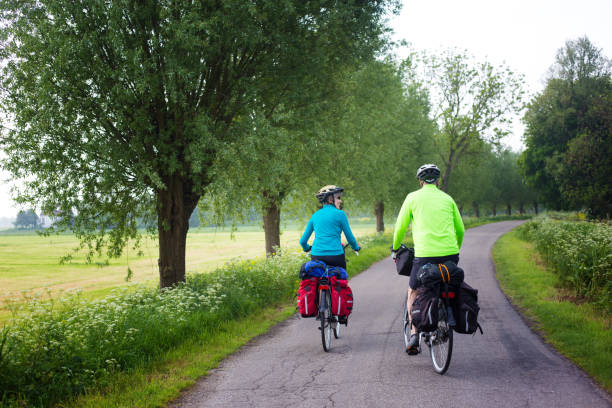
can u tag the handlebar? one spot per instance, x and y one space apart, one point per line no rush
344 248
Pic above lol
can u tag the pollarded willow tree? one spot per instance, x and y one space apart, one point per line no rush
387 133
120 108
473 104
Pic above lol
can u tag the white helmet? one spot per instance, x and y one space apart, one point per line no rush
326 191
428 173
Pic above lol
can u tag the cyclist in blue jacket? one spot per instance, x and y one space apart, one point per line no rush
328 223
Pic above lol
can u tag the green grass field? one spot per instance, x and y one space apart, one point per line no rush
30 263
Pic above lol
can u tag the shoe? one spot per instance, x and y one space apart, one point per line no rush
413 345
343 320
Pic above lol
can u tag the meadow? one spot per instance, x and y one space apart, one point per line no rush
29 263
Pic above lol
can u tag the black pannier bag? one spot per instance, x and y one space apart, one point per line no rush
431 275
404 259
465 309
424 311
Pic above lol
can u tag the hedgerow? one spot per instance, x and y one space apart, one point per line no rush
580 252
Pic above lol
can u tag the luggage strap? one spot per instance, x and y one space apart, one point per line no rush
445 279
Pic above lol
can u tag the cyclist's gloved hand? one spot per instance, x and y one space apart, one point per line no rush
394 254
309 248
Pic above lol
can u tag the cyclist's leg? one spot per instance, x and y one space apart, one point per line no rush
411 297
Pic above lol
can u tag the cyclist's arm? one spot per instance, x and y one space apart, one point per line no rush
306 236
348 233
458 222
401 224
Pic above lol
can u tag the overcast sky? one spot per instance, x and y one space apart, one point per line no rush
524 34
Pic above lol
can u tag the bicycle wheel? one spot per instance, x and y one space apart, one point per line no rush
406 323
441 341
336 327
326 319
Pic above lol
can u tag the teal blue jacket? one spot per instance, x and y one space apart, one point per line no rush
328 224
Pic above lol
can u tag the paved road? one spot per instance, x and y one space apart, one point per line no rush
367 367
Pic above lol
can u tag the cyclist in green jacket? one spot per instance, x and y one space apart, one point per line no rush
437 230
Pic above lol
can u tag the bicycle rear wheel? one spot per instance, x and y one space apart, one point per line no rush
441 341
326 318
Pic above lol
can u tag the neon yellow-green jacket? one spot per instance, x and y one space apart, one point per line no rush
437 227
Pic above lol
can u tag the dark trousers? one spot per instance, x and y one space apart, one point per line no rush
419 262
331 260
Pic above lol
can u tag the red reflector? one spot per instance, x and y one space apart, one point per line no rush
323 287
451 295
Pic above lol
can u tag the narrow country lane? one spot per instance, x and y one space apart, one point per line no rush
367 367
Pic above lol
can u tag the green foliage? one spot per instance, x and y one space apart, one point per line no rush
26 220
386 112
491 182
579 252
569 132
579 330
56 348
473 102
121 108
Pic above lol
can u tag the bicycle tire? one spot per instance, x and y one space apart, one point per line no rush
406 323
336 327
441 341
325 316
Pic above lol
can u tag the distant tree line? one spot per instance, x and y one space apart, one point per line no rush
27 220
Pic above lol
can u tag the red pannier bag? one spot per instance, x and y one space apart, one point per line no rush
306 297
342 297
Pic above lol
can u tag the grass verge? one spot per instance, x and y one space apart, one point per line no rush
162 381
579 331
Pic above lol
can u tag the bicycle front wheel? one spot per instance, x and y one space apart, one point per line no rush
406 323
326 319
441 341
336 326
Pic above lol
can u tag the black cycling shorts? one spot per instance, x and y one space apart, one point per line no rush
331 260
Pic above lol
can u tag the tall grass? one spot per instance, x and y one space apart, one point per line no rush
55 348
579 252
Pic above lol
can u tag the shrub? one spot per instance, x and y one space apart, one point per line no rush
60 347
579 252
55 348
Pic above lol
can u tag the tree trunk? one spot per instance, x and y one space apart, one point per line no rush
446 178
494 209
461 210
271 220
175 204
476 209
508 209
379 211
535 207
521 209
